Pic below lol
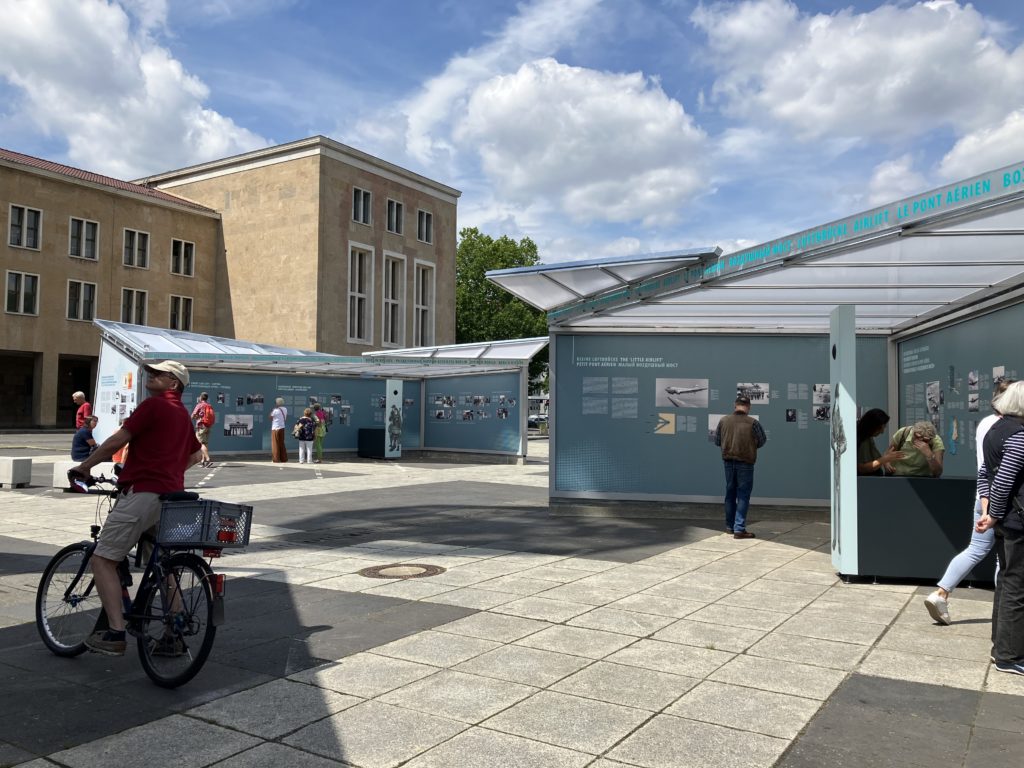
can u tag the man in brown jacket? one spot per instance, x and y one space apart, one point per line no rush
739 436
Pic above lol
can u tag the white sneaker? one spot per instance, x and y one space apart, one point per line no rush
938 608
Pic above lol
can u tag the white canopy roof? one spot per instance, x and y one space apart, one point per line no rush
900 264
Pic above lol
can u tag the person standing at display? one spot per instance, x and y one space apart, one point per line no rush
320 417
1001 489
981 542
203 417
82 444
305 431
84 409
923 449
739 436
278 420
869 460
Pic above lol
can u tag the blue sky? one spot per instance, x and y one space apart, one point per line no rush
596 127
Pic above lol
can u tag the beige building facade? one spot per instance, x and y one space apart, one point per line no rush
328 248
79 246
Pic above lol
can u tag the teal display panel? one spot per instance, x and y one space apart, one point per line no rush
946 377
243 403
474 413
635 414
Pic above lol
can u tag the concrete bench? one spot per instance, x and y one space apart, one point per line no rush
15 472
60 471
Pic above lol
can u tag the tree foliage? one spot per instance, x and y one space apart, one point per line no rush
484 311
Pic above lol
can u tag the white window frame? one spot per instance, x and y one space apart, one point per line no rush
21 293
362 206
181 302
134 314
85 223
425 234
79 313
396 300
23 233
135 248
185 245
421 339
365 296
396 217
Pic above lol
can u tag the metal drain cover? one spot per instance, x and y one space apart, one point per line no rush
401 571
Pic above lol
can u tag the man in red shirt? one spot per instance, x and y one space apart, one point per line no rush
163 447
84 409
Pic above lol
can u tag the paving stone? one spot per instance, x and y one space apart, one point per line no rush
673 742
438 649
459 696
530 666
556 573
766 601
822 609
481 748
269 755
713 636
806 625
365 674
568 721
274 709
410 589
623 622
517 584
583 591
629 686
659 606
780 676
543 609
468 597
934 702
933 641
746 709
688 591
375 735
161 742
578 641
463 577
990 748
494 626
809 650
670 657
920 668
793 589
593 565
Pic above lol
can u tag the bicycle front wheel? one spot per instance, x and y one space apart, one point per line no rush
67 604
176 627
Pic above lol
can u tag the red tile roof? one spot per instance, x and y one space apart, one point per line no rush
96 178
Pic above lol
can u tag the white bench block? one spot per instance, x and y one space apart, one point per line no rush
60 471
15 472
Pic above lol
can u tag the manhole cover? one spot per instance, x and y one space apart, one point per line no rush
401 571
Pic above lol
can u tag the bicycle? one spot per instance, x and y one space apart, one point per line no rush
180 600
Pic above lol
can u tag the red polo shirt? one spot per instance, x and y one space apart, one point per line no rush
162 442
84 412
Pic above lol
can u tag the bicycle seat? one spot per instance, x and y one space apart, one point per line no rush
179 496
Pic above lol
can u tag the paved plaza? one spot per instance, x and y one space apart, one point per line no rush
549 639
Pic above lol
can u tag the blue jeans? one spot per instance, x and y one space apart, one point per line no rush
739 482
981 544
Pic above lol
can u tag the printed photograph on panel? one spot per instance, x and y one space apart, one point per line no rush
713 419
998 373
238 425
973 398
791 414
758 393
822 395
972 379
822 412
933 396
681 393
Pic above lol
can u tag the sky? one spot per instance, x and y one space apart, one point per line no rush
598 128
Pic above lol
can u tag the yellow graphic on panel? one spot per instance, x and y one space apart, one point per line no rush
666 424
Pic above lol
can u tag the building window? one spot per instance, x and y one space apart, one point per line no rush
22 293
360 287
425 227
360 205
136 249
81 300
26 225
183 258
181 313
395 215
393 333
133 306
423 306
83 239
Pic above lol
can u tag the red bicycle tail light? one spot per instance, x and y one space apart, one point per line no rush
211 553
217 582
227 536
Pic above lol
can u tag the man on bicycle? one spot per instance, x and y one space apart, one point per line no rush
163 447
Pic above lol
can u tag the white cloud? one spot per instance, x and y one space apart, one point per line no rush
598 145
894 180
986 149
890 73
92 74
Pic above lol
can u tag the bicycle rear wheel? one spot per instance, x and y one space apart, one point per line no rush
65 622
175 640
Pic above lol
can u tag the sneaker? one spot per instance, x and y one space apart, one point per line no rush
938 608
1013 667
169 646
107 643
744 535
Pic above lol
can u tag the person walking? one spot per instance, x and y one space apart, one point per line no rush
739 436
84 409
203 416
1001 489
320 417
305 430
937 603
278 420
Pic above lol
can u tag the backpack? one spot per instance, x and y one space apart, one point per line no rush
209 417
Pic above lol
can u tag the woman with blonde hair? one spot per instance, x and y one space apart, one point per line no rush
922 449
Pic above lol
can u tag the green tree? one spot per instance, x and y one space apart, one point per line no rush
486 312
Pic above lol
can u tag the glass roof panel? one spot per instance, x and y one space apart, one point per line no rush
586 281
850 274
536 290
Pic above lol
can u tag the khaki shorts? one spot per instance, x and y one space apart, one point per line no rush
132 515
203 434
